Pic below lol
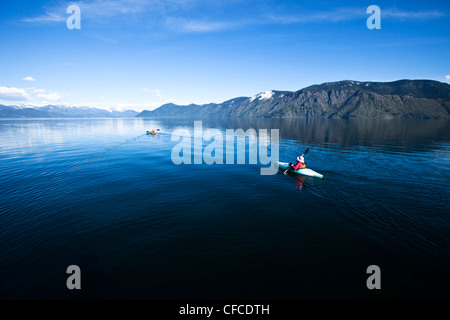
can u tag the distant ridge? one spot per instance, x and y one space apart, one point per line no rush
52 111
348 99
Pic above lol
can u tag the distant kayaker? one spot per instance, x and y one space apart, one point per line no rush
300 163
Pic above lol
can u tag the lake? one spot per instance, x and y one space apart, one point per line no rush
103 195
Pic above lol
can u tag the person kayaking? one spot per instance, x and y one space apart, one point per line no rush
301 164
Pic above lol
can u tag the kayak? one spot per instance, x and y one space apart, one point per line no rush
303 172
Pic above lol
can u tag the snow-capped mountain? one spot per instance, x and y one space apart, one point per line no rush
263 96
347 99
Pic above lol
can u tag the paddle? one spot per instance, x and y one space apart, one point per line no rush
306 151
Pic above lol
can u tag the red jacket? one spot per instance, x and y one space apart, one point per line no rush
299 165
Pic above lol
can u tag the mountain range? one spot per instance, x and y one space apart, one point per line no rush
403 99
51 111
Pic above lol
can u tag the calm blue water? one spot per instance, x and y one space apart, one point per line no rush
101 194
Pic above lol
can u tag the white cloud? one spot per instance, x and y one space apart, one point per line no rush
38 90
157 92
173 14
29 79
13 94
394 13
447 77
49 97
341 14
101 9
184 25
331 16
47 17
116 105
346 14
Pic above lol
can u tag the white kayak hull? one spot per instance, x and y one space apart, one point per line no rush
303 172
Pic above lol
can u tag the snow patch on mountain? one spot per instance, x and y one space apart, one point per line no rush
263 96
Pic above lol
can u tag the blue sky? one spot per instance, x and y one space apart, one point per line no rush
143 53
